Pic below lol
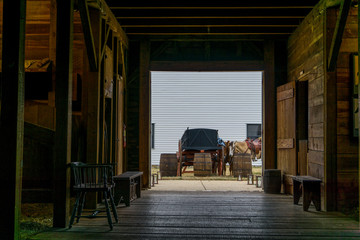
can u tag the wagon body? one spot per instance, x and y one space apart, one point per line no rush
199 140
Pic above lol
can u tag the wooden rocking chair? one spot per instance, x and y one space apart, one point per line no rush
92 178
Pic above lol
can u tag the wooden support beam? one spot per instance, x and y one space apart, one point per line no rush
213 17
111 20
338 33
101 78
249 33
206 7
91 101
63 101
52 40
106 37
12 116
333 3
111 121
269 108
122 105
114 107
211 26
359 99
144 113
88 35
207 66
330 138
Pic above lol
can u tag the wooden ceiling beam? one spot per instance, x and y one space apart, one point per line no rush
213 3
219 21
209 34
206 66
88 35
210 12
211 8
111 20
208 30
338 33
202 26
212 17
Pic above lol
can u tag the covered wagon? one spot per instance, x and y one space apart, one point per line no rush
201 148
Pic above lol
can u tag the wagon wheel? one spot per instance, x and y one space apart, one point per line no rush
178 173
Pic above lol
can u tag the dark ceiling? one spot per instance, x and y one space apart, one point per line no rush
261 18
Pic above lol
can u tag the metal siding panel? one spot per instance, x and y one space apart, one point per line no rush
226 101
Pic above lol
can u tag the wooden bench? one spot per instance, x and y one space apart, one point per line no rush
309 188
127 187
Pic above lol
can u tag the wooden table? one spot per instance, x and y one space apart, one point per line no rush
309 188
127 187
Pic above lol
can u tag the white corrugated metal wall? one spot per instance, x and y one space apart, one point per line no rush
226 101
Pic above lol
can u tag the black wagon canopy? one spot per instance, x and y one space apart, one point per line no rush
200 139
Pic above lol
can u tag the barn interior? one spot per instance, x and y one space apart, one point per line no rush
75 86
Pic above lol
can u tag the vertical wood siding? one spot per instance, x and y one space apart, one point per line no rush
306 63
347 145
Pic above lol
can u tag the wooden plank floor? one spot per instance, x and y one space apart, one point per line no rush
213 215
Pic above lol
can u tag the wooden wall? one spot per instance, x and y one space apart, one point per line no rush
40 57
307 53
347 144
132 109
40 46
306 63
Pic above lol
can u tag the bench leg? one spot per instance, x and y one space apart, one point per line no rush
297 191
138 186
312 193
306 197
316 198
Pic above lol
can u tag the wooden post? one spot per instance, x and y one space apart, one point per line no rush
92 101
112 103
52 40
330 138
12 116
102 94
338 34
63 100
358 97
269 108
114 108
121 106
144 113
88 35
93 94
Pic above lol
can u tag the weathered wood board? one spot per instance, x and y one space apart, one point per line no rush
212 215
286 129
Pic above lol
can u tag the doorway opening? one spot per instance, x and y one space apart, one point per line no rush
228 102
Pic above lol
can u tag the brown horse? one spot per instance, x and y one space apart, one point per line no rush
252 147
228 155
255 147
232 148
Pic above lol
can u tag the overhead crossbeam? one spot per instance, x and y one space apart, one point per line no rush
338 33
88 35
111 20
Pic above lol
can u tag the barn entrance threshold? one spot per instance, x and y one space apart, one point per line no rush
204 185
213 215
